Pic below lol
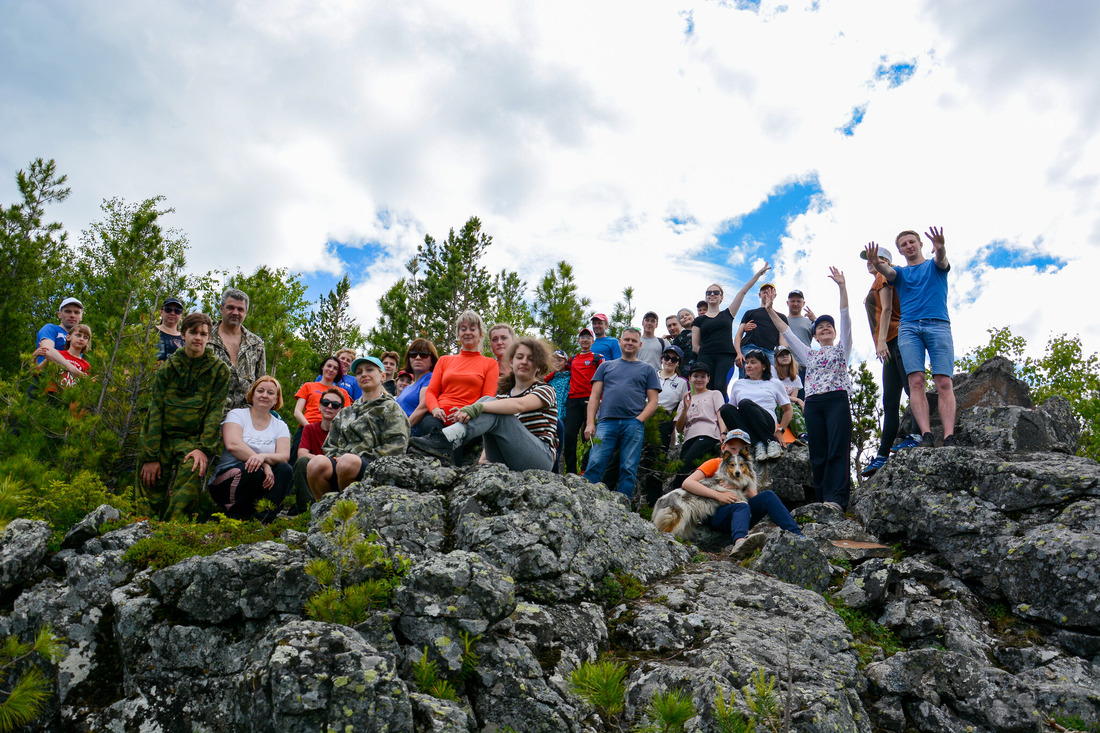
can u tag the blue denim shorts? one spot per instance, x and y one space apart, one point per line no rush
927 335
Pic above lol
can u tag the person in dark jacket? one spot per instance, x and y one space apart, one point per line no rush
182 430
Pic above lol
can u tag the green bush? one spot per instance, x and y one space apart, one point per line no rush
22 698
175 540
601 685
667 712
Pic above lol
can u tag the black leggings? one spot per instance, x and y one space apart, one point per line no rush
750 417
894 380
243 490
576 417
720 365
829 425
692 453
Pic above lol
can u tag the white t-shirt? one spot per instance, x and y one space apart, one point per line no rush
790 383
261 441
768 393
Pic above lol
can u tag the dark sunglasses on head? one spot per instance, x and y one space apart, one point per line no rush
331 403
714 292
670 357
173 309
419 355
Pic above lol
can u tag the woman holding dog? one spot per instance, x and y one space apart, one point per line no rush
828 414
733 515
698 419
753 404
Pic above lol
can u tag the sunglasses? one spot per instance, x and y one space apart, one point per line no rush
668 357
419 355
173 309
332 404
714 292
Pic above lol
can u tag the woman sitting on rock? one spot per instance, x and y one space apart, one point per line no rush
255 463
753 406
420 360
828 414
519 427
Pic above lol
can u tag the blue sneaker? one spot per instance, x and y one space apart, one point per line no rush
911 441
873 467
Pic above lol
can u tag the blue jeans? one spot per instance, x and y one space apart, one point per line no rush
737 519
627 434
928 334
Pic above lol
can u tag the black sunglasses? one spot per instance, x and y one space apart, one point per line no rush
670 357
173 309
330 403
419 355
714 292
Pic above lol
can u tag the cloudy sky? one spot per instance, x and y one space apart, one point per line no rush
663 145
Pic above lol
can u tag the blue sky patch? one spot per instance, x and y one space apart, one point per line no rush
356 260
1001 256
689 22
896 74
857 117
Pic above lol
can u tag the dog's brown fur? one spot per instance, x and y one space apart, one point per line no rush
680 511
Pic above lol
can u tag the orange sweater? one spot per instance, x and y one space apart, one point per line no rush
460 380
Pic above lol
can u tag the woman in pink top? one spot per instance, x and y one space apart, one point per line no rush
698 419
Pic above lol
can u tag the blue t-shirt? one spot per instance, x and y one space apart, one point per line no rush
348 384
922 291
410 396
607 347
57 334
625 384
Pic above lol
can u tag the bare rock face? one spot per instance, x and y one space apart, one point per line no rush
23 545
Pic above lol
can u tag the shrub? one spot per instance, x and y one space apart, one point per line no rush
21 699
176 540
667 712
601 685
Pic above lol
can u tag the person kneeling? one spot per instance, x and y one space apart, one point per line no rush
736 517
255 463
371 427
519 427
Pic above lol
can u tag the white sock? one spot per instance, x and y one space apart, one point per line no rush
455 432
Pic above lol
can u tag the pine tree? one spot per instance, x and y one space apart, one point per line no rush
558 309
330 326
623 314
866 413
509 303
32 254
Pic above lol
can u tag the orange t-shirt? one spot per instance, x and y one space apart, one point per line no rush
709 468
461 380
895 312
311 392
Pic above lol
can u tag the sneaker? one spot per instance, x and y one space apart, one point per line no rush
434 444
873 467
834 505
774 449
747 545
927 441
911 441
761 452
950 441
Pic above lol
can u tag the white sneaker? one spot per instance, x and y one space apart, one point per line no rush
761 452
833 505
774 449
747 545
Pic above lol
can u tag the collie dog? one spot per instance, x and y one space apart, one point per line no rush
680 511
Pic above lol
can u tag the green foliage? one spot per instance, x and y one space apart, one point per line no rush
32 252
330 326
428 680
619 586
1074 722
1001 343
558 308
508 303
64 503
623 313
727 718
601 685
866 407
667 712
22 698
173 541
764 703
470 657
869 635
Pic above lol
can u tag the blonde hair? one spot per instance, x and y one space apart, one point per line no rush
473 319
278 390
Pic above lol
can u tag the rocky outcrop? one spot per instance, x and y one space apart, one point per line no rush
23 545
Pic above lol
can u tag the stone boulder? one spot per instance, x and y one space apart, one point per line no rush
410 523
23 546
88 527
1014 429
796 560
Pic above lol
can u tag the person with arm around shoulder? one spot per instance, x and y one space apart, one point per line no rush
312 444
52 338
712 332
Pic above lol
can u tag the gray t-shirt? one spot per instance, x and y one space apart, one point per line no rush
651 351
625 384
801 326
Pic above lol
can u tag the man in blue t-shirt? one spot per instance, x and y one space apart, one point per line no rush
921 287
624 394
604 345
52 338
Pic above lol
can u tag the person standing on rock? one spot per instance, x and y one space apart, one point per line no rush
925 326
828 408
240 349
582 367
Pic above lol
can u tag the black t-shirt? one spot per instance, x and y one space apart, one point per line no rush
168 345
715 333
765 335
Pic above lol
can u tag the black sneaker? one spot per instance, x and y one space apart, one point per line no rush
434 444
950 441
927 441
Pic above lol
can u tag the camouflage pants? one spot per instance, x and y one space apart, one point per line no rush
180 492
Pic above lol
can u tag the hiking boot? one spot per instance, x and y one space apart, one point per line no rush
911 441
434 444
873 467
747 545
950 441
774 449
761 452
833 505
927 441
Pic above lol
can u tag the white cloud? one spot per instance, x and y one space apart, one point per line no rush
575 132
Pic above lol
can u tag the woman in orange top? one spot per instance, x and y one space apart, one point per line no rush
461 379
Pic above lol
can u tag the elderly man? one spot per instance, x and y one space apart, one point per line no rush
240 349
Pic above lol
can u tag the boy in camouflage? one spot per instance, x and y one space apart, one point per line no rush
183 426
371 427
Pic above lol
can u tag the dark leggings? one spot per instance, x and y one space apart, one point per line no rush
720 365
576 416
894 380
829 425
246 488
692 453
750 417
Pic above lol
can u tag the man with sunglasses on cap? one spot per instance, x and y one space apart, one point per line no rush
53 338
604 345
168 329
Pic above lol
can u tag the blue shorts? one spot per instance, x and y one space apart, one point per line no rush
931 335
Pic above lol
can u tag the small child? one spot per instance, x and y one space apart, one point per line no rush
80 338
402 380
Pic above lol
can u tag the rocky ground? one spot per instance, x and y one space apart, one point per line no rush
960 593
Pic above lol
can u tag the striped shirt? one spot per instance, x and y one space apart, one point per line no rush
543 422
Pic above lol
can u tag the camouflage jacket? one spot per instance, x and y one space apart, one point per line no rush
251 365
369 429
188 401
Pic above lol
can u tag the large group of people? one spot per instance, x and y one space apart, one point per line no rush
707 377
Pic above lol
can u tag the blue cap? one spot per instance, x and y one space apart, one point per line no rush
819 321
373 361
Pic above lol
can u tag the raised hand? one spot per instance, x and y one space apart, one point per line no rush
837 276
762 270
872 252
809 313
935 236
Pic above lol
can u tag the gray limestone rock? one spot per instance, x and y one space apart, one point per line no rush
88 527
789 476
412 472
23 545
432 715
795 560
120 539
